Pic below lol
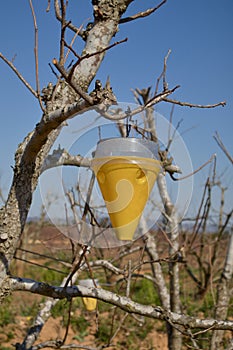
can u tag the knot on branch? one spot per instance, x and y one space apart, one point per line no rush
103 94
105 9
144 94
56 96
84 34
47 93
167 165
3 236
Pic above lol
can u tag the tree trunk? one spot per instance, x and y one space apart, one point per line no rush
223 296
174 337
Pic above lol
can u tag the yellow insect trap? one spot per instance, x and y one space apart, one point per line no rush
126 170
89 303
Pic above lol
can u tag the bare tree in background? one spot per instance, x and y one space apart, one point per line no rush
69 98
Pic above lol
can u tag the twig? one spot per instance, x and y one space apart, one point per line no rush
119 116
196 227
218 238
118 328
76 265
63 28
67 54
223 148
161 96
71 198
56 344
191 336
170 138
71 49
191 105
48 7
126 252
142 14
154 100
36 56
53 71
163 74
167 260
128 278
43 256
72 42
40 265
89 193
191 274
88 55
195 171
11 65
76 88
68 323
203 331
174 133
165 84
59 18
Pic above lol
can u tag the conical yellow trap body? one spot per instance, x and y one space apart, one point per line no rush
125 183
90 303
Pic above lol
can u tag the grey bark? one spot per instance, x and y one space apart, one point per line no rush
223 296
174 337
160 284
173 303
124 303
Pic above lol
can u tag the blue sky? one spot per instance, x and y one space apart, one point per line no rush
199 33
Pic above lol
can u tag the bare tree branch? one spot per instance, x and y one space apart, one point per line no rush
11 65
70 25
163 74
151 248
130 113
76 88
173 230
142 14
223 294
192 105
62 157
48 7
223 148
63 28
124 303
36 56
88 55
55 344
213 157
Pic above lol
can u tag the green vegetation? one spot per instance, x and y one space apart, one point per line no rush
144 292
80 326
29 310
60 308
7 315
103 333
208 305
